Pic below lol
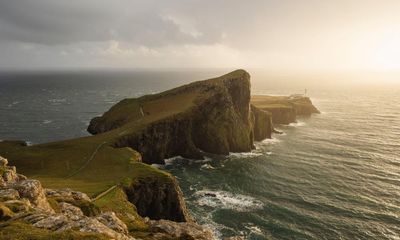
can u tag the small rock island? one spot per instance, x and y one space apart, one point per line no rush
103 186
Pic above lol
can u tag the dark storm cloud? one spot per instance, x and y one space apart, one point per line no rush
53 22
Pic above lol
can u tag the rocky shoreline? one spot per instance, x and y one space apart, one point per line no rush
116 194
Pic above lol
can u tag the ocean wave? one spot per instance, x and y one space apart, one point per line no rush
227 200
47 121
251 154
57 101
297 124
207 166
271 140
170 161
13 104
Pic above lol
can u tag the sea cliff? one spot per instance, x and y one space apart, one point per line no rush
215 116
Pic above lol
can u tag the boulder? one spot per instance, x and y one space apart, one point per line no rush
33 191
3 161
5 213
112 221
10 176
179 230
66 195
53 222
8 194
70 211
21 205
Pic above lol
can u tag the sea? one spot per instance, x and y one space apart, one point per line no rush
334 175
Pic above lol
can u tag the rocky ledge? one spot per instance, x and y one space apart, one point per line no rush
28 211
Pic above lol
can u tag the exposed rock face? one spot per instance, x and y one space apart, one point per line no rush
112 221
262 123
33 191
27 198
215 117
26 201
67 195
163 228
158 199
284 110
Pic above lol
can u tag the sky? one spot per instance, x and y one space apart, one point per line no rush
288 35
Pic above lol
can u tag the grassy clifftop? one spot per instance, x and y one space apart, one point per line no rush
183 121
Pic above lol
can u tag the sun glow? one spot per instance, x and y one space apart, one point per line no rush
387 54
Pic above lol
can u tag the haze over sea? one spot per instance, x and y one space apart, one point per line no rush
332 176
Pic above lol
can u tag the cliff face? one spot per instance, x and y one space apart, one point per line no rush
211 116
262 124
29 211
284 110
158 199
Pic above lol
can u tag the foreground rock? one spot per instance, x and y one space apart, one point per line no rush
24 201
163 228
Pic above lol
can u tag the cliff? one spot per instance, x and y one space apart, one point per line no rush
29 211
212 116
284 109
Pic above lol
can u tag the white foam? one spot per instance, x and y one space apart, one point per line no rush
47 121
297 124
57 100
227 200
245 154
205 160
271 140
170 161
207 166
13 103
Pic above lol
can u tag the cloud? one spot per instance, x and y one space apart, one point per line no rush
212 33
50 22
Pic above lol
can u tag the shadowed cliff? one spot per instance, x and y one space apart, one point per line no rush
212 116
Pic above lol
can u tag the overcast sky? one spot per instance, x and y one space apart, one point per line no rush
272 34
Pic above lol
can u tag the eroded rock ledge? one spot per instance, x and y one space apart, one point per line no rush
28 211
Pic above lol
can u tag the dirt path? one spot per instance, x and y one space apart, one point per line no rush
104 193
88 161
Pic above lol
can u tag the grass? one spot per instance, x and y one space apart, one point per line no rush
271 102
53 163
92 165
117 202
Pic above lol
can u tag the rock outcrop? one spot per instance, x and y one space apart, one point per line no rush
175 230
211 116
284 110
158 199
23 199
64 211
262 123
